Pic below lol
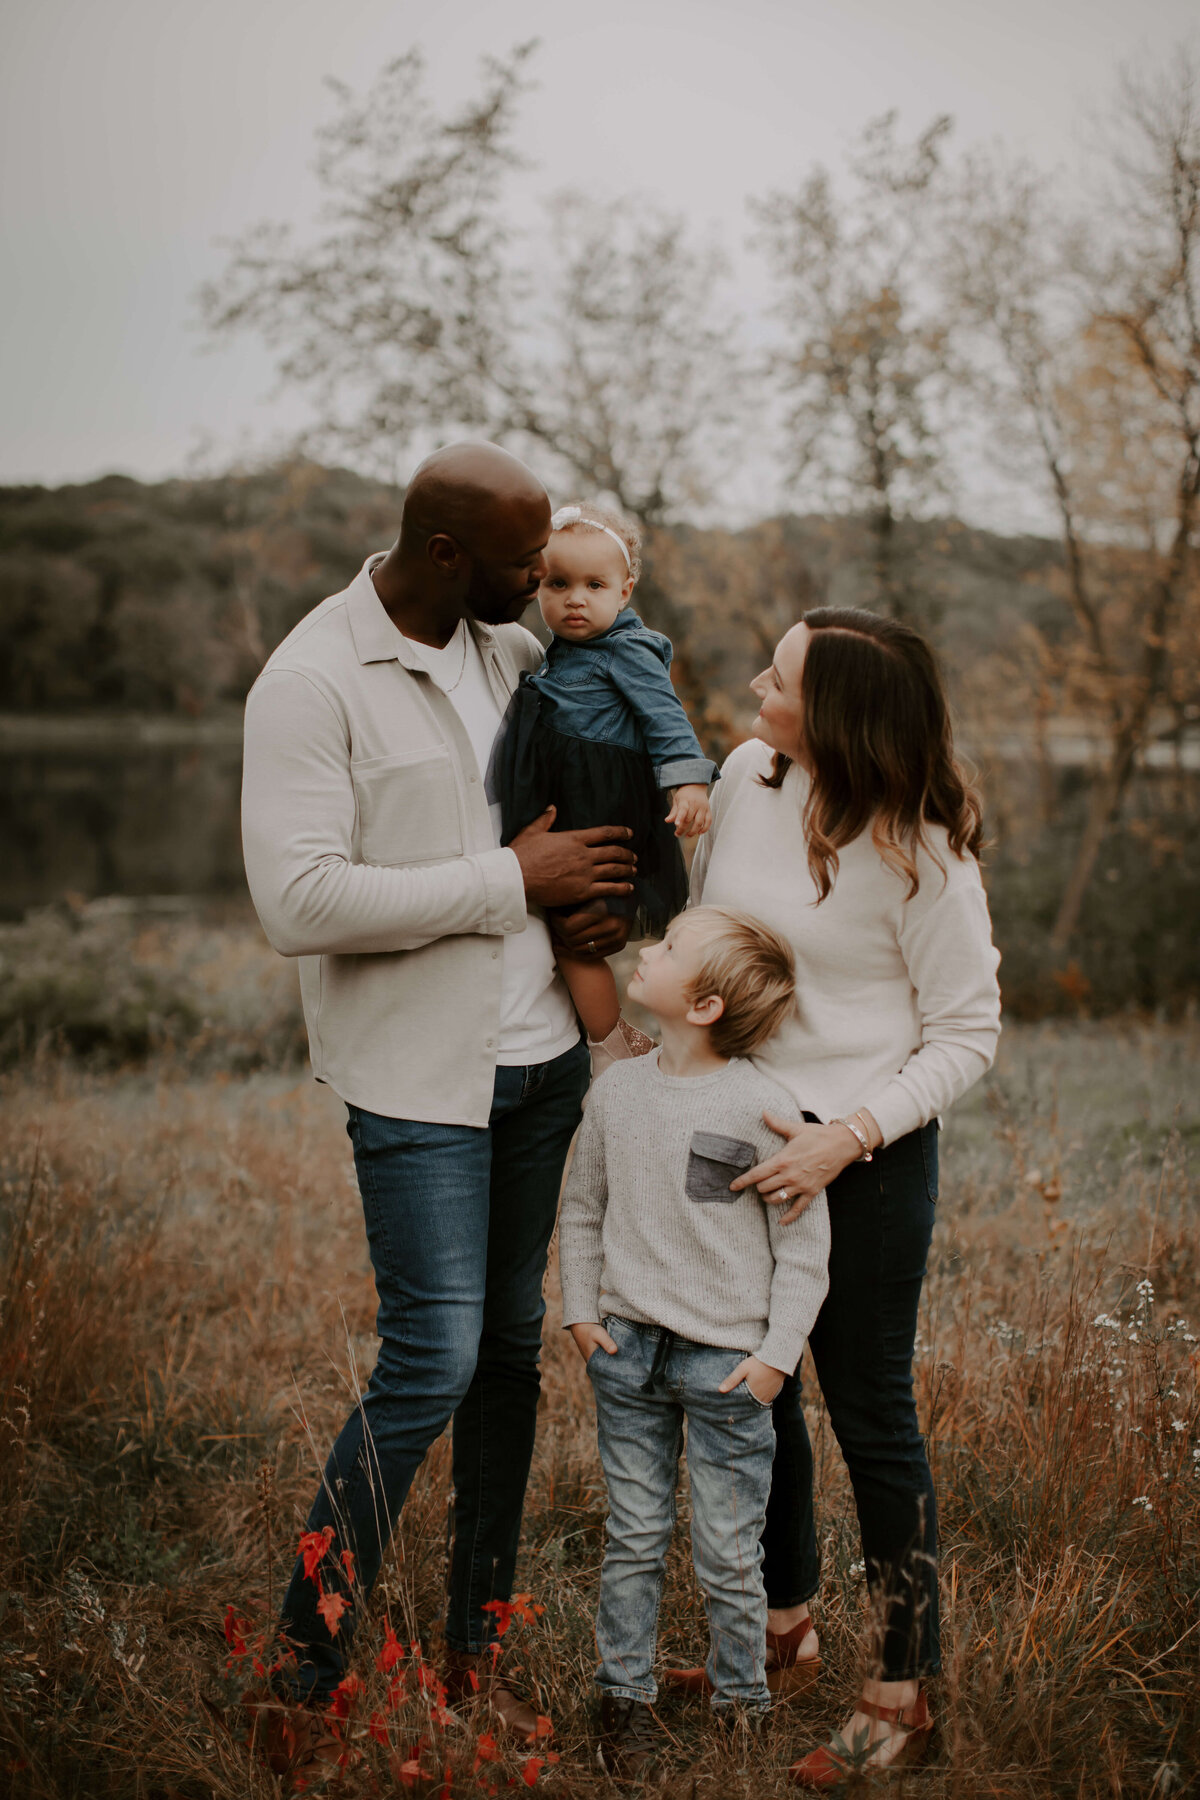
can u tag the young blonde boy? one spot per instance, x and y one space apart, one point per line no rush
688 1302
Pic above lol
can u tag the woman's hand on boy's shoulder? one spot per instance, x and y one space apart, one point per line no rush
590 1337
812 1157
761 1379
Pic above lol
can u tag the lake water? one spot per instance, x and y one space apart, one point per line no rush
152 807
118 819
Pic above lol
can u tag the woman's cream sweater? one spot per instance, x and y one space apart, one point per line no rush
898 1003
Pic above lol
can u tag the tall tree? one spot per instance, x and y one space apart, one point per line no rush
419 312
862 362
1088 343
394 315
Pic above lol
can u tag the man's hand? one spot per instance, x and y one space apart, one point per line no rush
590 1337
813 1156
562 868
691 814
763 1381
591 934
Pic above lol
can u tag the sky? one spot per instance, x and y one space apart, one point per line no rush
135 136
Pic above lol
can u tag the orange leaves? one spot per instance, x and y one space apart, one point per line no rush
236 1629
521 1607
485 1751
331 1607
532 1767
392 1652
312 1548
345 1694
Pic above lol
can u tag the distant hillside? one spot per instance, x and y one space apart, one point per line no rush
118 595
168 597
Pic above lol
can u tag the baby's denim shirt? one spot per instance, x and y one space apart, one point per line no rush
615 689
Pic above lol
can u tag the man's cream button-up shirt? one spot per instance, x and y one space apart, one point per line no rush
370 855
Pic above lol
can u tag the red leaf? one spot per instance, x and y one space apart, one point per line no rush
531 1769
312 1547
378 1729
347 1690
391 1654
503 1611
485 1749
348 1565
331 1607
543 1728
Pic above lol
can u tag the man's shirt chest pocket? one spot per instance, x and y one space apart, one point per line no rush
408 808
713 1162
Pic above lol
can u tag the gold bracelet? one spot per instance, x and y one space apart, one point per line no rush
866 1154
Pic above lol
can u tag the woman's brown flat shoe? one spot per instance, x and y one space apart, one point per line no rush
788 1674
829 1766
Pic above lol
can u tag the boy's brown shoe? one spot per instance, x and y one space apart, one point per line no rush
631 1740
470 1677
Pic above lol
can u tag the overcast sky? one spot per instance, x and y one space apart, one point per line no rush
134 134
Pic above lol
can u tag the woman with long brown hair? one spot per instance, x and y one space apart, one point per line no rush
847 825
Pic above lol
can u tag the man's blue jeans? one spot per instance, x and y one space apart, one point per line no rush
458 1221
643 1395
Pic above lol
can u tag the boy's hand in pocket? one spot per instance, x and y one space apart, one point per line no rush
763 1381
589 1337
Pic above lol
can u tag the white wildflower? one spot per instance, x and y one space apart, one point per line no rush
1145 1501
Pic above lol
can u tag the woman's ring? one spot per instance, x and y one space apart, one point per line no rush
591 945
783 1193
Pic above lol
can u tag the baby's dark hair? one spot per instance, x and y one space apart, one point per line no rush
626 529
752 969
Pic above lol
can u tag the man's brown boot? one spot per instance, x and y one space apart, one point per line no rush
470 1677
292 1740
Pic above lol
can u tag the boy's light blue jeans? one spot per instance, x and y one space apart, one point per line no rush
643 1395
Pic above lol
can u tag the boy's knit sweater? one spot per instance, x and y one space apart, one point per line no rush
650 1232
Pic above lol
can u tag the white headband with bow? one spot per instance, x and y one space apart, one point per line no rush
575 515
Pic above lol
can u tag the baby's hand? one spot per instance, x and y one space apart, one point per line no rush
691 813
763 1381
589 1336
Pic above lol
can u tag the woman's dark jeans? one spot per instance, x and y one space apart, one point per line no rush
881 1217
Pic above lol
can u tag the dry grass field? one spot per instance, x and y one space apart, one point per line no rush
187 1306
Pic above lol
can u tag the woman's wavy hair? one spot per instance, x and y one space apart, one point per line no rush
878 742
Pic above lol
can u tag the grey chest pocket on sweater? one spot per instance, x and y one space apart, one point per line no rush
713 1162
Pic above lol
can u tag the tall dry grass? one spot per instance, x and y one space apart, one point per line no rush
186 1294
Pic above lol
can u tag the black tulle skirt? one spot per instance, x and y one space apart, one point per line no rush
533 766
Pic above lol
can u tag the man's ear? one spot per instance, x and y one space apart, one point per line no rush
706 1011
444 552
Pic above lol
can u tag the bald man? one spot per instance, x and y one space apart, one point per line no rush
434 1009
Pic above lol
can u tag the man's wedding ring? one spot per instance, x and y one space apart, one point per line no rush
591 944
